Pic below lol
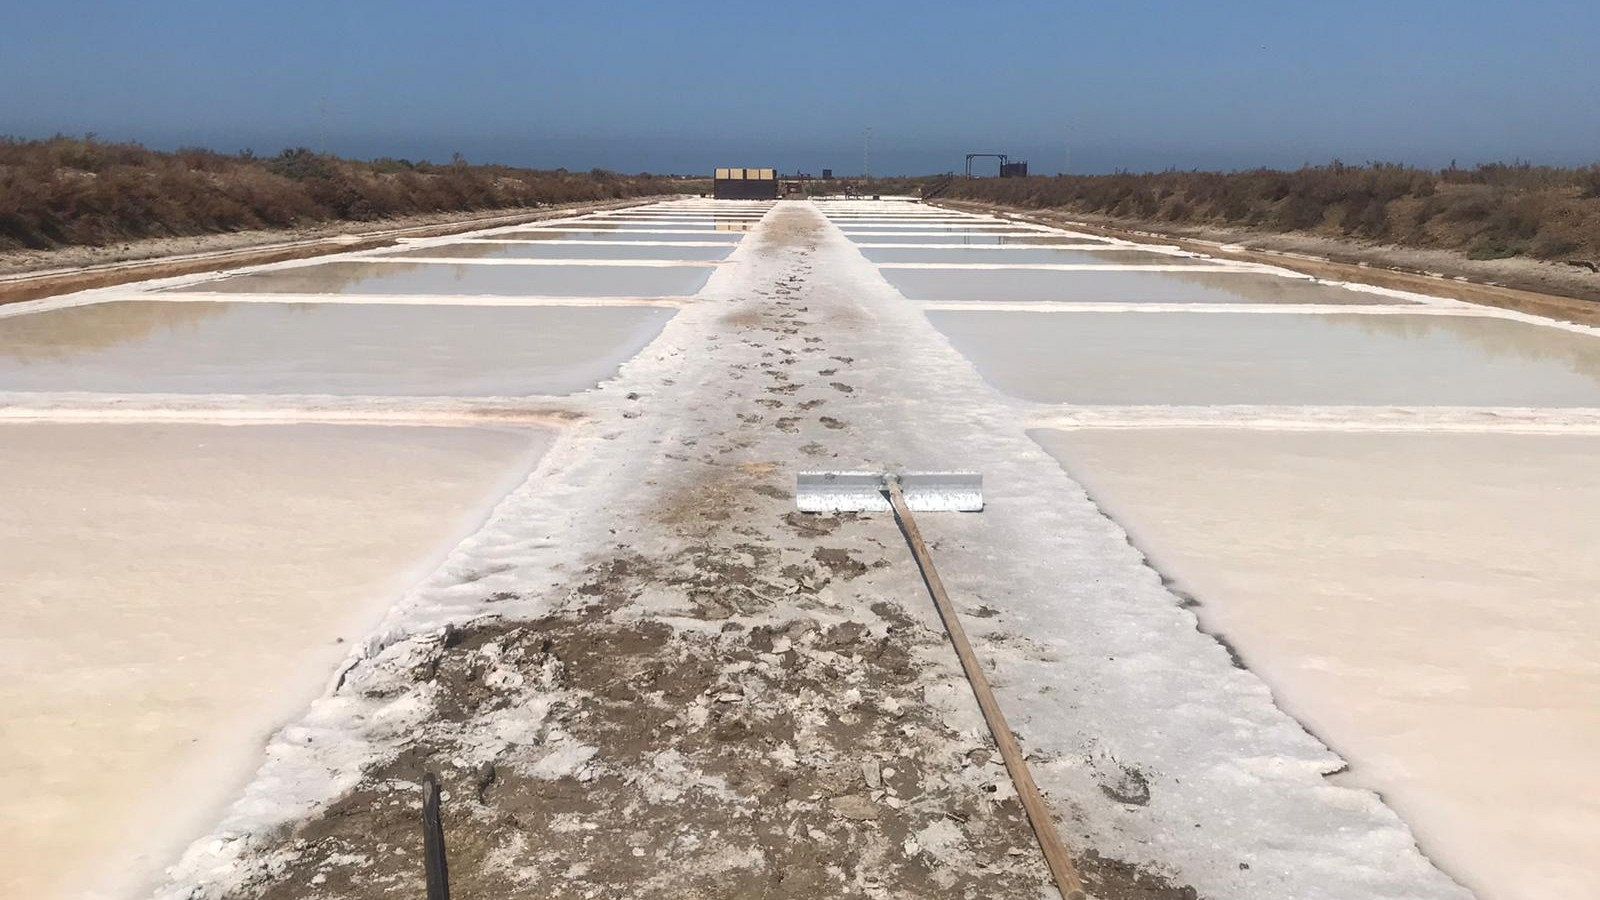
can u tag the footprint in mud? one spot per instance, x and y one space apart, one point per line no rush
811 523
770 403
841 387
814 449
839 562
812 404
827 373
788 424
831 422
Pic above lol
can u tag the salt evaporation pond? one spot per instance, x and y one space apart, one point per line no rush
377 349
982 240
1428 604
935 228
951 224
569 251
671 221
1030 285
358 277
574 233
608 225
684 215
1027 255
173 593
1244 358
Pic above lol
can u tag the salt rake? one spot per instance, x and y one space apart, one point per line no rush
825 492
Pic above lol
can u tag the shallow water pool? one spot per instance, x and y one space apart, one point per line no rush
175 592
1027 255
569 251
1429 604
399 279
574 233
1244 358
1029 285
146 346
982 240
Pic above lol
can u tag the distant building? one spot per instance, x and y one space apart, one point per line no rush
745 184
1014 170
827 174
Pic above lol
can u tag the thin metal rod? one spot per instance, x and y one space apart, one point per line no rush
1066 876
433 856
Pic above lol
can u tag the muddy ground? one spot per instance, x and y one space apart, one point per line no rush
731 700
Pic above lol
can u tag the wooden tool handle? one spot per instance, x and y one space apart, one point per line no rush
1066 876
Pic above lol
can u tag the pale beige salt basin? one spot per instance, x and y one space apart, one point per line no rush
1030 285
973 228
403 279
606 225
1192 359
569 251
940 221
678 217
688 215
692 225
174 593
845 220
346 349
1027 256
1429 605
675 222
573 233
984 240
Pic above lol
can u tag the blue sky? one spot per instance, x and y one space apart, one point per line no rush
678 86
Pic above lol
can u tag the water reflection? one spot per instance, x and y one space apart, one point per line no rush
569 251
982 240
400 279
1028 285
1222 358
320 348
65 333
574 234
1495 339
1026 256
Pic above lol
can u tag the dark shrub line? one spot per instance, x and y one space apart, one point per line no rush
71 191
1488 212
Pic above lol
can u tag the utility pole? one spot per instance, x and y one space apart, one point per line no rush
866 154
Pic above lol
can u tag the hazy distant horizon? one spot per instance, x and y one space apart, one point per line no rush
668 87
624 157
